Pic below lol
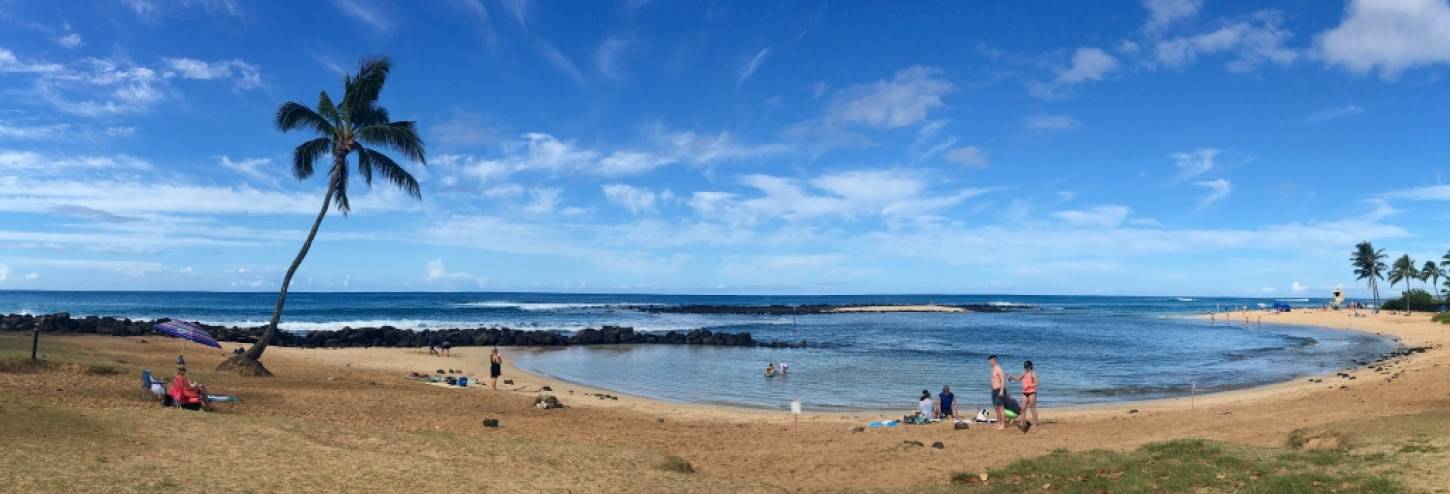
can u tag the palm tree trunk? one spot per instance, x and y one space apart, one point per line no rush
248 362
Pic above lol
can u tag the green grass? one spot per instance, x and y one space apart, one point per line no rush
1188 465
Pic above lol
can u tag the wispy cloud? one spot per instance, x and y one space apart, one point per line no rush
752 65
1044 122
1332 113
607 55
1163 13
70 41
1100 216
1192 164
903 100
366 12
1218 189
1088 64
1250 42
968 155
559 60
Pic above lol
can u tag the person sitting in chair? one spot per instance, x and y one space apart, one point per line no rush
187 393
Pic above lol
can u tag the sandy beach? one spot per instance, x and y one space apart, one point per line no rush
350 408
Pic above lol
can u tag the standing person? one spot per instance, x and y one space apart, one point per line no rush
946 404
999 390
495 367
447 348
432 344
1029 394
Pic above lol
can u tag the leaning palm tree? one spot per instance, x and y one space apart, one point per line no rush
344 129
1404 270
1369 264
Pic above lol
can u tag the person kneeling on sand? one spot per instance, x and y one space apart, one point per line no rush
187 393
946 404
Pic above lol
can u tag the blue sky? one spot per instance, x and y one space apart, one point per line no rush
1163 147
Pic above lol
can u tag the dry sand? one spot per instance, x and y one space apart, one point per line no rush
340 420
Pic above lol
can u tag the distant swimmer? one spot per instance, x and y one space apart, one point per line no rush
770 370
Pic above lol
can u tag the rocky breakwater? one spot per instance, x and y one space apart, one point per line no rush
790 310
388 336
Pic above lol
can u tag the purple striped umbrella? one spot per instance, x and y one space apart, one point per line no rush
187 331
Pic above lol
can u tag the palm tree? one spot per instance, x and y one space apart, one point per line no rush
1431 273
1404 270
1369 264
343 130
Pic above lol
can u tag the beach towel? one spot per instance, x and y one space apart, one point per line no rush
883 423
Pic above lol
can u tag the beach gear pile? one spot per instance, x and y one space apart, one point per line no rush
547 402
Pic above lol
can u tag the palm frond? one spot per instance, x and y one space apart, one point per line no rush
397 136
308 153
364 164
292 115
327 109
391 171
364 88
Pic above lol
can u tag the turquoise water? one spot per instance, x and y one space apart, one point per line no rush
1086 349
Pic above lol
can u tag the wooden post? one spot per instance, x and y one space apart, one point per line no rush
34 342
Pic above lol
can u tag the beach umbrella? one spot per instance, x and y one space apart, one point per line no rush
187 331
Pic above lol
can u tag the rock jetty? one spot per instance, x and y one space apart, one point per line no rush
388 336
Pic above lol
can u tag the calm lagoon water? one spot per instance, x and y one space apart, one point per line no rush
1086 349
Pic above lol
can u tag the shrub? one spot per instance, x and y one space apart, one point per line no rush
1420 300
677 465
1442 318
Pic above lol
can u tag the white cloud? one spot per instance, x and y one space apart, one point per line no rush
888 104
1050 122
10 130
542 200
436 272
1332 113
1389 36
752 65
250 167
606 57
1425 193
559 60
367 13
128 197
242 74
1191 164
1100 216
124 267
636 199
96 87
31 162
33 276
1252 41
546 239
72 41
630 163
1298 287
4 272
1163 13
1087 65
968 155
893 195
1218 189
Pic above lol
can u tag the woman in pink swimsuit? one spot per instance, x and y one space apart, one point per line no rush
1029 393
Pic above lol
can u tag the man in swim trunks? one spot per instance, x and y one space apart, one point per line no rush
999 390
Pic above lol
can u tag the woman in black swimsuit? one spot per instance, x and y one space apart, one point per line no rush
495 367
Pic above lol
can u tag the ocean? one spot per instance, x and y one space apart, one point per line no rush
1086 349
